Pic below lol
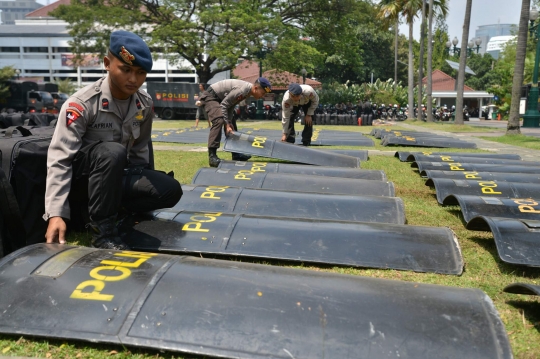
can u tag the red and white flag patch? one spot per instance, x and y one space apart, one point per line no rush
71 116
287 105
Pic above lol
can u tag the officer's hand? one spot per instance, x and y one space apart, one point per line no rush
283 138
307 120
56 231
228 129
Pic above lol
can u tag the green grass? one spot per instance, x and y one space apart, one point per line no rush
517 140
450 126
483 268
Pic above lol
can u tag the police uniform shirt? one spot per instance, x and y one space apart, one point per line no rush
231 92
308 94
88 116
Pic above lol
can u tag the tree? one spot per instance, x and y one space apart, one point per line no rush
429 71
513 121
6 73
389 13
462 64
66 86
421 60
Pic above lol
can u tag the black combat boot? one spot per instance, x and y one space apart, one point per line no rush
105 234
240 156
213 159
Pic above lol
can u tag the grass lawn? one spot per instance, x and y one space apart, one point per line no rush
483 268
517 140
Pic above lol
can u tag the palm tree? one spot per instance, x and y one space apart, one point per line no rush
463 63
421 60
389 12
429 89
519 68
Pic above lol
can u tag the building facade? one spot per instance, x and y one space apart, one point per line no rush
16 10
486 32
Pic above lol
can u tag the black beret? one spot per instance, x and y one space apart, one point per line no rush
131 49
295 89
265 84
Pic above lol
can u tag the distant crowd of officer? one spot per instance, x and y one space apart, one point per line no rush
100 152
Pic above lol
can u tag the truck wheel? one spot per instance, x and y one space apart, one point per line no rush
167 114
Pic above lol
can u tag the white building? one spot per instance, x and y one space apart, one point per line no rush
40 50
496 44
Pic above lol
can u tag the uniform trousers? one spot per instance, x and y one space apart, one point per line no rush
212 106
308 129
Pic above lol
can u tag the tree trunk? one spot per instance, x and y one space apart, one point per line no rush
411 71
421 62
513 122
429 89
396 52
463 63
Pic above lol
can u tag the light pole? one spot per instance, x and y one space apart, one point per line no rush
261 54
17 72
304 73
532 116
457 50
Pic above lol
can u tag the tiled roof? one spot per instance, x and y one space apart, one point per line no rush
44 11
280 80
443 82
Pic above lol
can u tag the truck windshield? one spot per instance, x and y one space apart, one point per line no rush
46 96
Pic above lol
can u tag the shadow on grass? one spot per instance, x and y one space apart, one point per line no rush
530 309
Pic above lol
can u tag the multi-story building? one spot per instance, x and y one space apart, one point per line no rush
486 32
16 10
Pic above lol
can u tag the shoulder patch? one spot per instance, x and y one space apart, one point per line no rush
105 103
76 106
287 105
71 116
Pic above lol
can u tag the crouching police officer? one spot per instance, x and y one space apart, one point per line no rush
100 149
298 96
219 101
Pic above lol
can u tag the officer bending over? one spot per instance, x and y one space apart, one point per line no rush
100 149
219 101
298 96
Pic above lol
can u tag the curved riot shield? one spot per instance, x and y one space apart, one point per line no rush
411 156
426 142
289 182
522 288
516 239
478 167
288 168
264 147
475 206
448 188
292 204
466 159
362 155
486 176
374 245
239 310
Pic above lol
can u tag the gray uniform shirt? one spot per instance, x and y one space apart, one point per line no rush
308 94
88 116
231 92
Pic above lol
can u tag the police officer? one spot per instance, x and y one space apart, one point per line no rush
100 149
219 101
200 110
298 96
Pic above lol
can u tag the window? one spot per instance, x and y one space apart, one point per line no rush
36 49
9 49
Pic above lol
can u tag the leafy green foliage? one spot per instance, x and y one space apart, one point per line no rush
66 86
6 73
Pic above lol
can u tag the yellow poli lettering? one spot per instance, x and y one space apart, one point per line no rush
446 158
124 273
258 167
472 175
488 187
526 205
258 141
243 175
456 167
95 294
198 220
211 191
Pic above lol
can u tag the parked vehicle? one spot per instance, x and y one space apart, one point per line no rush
25 96
174 99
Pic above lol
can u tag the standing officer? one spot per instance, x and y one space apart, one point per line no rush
100 149
219 101
297 96
200 111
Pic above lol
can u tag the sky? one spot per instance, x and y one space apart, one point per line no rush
483 12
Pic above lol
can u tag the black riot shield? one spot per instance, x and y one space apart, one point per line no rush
288 168
516 239
466 159
374 245
522 288
410 156
292 204
478 167
487 176
264 147
290 182
447 189
426 142
362 155
475 206
239 310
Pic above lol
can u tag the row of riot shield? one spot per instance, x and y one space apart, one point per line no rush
419 139
495 192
